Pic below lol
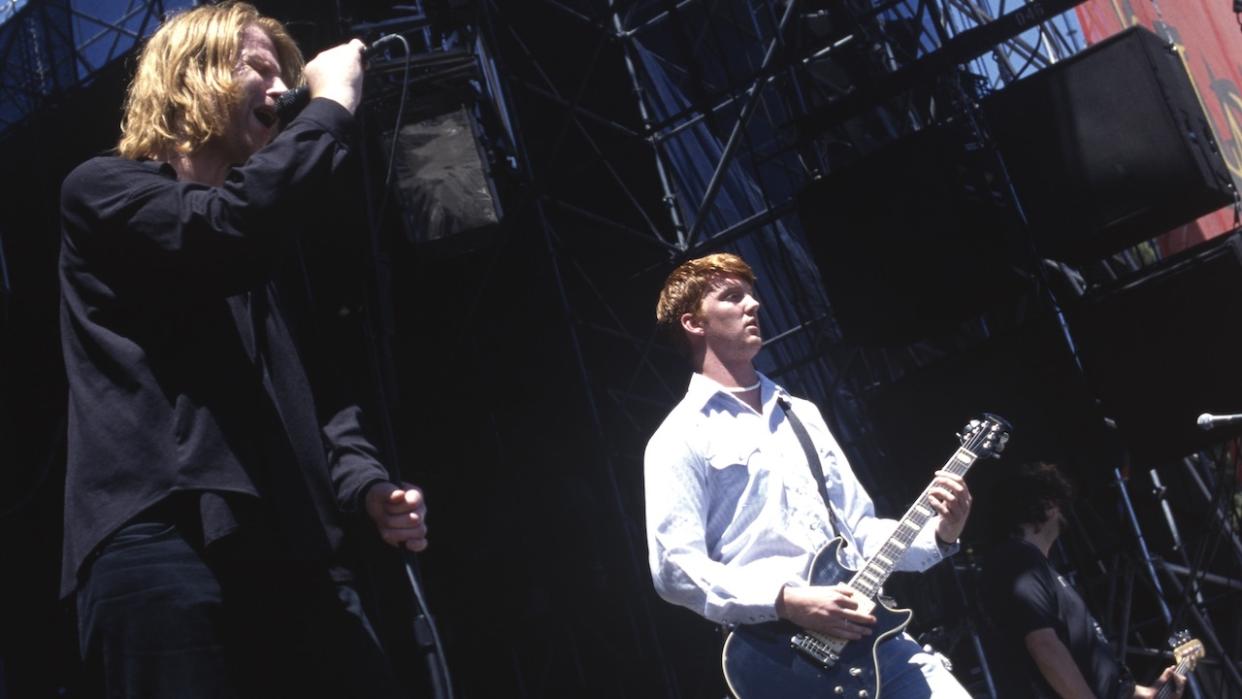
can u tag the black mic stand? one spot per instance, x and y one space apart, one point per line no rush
1160 492
378 329
1146 560
1193 570
970 611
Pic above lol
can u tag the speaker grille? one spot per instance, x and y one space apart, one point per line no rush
1109 148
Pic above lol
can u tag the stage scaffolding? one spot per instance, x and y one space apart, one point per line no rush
720 87
50 46
673 128
734 108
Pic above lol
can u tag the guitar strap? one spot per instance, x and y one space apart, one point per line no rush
812 460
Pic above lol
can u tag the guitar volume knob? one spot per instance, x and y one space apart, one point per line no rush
863 693
838 689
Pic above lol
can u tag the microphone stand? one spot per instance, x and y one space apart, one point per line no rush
426 635
1146 560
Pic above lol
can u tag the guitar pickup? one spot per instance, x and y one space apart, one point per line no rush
819 650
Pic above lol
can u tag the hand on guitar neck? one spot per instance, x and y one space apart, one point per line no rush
832 610
951 499
1176 685
838 610
1187 652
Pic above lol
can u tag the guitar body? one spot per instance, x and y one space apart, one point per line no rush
781 661
759 661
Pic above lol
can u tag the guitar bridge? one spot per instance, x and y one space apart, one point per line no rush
822 651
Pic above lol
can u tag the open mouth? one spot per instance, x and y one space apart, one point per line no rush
266 116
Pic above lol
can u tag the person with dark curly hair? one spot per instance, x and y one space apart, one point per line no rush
1048 644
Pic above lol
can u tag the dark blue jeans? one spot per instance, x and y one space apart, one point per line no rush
157 617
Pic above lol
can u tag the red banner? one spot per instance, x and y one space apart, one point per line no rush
1206 34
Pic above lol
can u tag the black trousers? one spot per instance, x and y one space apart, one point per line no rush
158 617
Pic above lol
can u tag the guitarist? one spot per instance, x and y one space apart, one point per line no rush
1048 645
734 516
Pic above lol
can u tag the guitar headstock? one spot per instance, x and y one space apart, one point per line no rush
986 436
1186 650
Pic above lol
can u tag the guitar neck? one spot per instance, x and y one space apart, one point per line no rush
872 576
1168 690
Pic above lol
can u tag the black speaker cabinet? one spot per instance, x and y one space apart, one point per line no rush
910 240
1108 148
445 191
1163 347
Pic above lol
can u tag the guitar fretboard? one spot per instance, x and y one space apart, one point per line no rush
871 577
1184 667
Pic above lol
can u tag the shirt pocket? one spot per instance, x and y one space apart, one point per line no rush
737 482
829 461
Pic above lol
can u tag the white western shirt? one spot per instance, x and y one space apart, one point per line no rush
733 512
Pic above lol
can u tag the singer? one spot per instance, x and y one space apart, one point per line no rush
209 487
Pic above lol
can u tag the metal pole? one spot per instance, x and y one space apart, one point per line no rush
644 615
670 196
1220 517
1209 633
1141 542
969 620
748 109
1146 556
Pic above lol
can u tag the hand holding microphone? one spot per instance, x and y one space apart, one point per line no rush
335 74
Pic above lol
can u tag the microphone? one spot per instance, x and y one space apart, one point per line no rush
291 102
1208 421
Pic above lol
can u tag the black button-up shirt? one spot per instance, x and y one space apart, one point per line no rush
183 372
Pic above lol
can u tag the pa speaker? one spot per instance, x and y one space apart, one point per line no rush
1108 148
1161 348
446 194
910 240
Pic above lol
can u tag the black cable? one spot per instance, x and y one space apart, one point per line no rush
426 635
396 130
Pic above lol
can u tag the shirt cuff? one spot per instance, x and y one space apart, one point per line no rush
946 548
360 498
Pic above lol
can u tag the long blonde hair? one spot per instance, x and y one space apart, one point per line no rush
183 90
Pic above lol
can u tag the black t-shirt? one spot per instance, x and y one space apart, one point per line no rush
1021 592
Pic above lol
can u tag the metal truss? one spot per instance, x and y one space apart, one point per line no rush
1018 56
50 46
737 82
723 125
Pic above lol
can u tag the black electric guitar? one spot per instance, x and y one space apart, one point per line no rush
1187 652
780 660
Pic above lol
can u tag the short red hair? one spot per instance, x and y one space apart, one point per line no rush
686 286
